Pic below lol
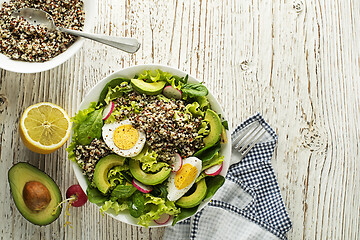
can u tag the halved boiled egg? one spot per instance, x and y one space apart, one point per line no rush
181 181
123 139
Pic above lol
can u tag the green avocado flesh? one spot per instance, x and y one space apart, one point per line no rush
22 173
148 178
195 198
215 128
147 88
102 168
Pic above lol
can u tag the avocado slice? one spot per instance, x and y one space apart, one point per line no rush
223 135
215 128
148 178
102 168
195 198
35 194
148 88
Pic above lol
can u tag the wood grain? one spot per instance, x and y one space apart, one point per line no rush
296 62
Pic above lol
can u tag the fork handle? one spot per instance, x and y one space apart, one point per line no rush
129 45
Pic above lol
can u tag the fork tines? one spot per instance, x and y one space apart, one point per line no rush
247 139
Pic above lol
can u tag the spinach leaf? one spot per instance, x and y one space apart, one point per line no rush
127 176
185 213
160 190
225 124
136 204
213 184
113 83
208 153
123 191
194 90
95 196
90 128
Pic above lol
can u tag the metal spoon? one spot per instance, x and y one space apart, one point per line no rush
40 17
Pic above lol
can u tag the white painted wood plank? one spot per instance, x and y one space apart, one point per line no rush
296 62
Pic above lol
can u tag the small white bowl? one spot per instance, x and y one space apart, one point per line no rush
130 72
33 67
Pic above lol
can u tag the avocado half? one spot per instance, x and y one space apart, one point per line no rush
102 168
195 198
22 177
148 178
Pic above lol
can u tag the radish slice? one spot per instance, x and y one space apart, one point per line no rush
108 110
214 170
171 92
164 218
141 187
177 163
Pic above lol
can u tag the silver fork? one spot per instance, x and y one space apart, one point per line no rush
246 140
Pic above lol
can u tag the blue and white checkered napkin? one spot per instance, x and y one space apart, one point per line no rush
248 205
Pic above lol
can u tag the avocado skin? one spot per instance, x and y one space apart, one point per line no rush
215 128
18 176
148 178
195 198
148 88
102 168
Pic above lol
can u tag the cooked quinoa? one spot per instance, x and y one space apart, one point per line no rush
21 41
164 123
88 155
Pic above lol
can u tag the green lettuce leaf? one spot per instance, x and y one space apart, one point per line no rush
115 176
156 207
117 91
203 102
158 75
154 167
147 157
115 206
204 129
194 109
113 83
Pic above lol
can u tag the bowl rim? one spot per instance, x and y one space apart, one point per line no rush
17 66
128 72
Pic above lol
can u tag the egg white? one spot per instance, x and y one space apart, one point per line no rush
108 133
174 193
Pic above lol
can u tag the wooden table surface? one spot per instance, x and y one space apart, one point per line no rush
295 62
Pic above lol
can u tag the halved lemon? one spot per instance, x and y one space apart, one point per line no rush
44 127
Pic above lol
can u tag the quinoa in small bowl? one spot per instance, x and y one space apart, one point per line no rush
27 49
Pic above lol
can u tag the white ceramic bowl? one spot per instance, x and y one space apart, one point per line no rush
33 67
130 72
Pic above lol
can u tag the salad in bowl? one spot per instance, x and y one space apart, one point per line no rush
149 145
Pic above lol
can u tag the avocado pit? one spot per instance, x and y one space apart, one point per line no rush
36 196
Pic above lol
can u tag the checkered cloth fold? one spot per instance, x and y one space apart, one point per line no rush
249 204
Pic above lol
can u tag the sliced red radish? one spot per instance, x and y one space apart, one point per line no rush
214 170
176 163
78 195
164 218
171 92
108 110
142 187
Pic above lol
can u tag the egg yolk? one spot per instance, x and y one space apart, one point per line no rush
185 176
125 137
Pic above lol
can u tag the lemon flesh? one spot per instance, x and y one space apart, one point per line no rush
44 127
